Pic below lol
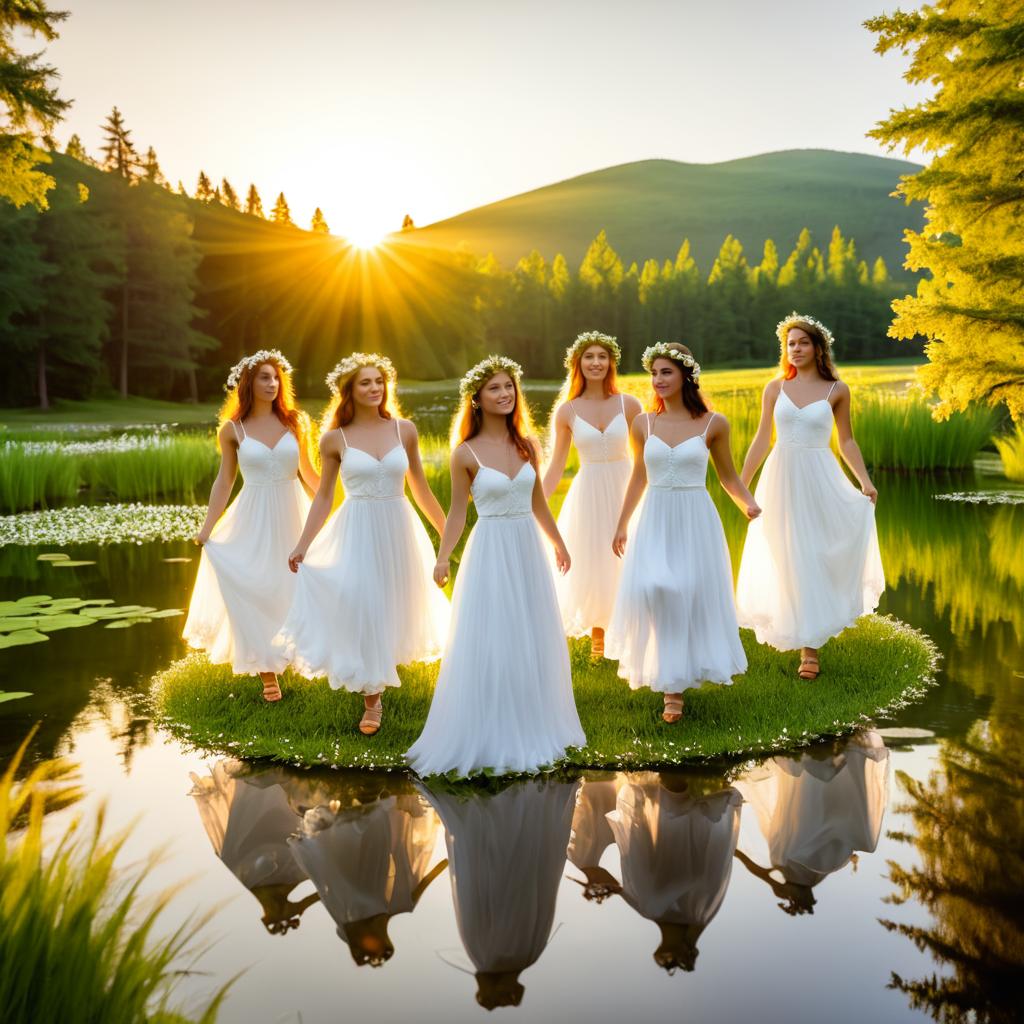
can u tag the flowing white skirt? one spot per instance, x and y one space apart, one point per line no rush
811 564
674 623
587 523
365 601
244 589
504 698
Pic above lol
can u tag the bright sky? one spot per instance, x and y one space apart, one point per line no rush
372 109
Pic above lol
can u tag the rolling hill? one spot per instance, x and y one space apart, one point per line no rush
648 207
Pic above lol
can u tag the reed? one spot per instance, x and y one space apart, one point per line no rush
1011 451
78 941
31 480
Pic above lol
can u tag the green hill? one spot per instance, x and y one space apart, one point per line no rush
648 207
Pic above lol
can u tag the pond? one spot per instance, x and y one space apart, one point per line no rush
728 892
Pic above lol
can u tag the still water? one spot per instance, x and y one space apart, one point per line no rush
878 877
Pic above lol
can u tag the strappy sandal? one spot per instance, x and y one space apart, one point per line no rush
272 691
809 668
597 644
370 722
673 710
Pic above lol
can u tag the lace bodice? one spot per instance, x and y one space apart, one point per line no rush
261 465
608 445
677 466
366 477
806 427
498 496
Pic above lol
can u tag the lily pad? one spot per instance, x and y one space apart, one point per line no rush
166 613
21 638
53 556
117 611
13 694
125 623
70 564
176 559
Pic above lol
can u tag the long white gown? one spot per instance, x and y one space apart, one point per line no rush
365 601
811 564
506 853
587 521
243 589
591 833
674 624
503 700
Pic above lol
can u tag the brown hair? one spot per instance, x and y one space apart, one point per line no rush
693 399
239 403
469 418
341 409
575 383
822 350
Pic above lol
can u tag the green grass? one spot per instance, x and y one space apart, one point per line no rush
872 669
78 942
1011 451
113 411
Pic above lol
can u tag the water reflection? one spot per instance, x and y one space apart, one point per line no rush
815 812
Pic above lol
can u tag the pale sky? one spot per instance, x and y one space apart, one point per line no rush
378 108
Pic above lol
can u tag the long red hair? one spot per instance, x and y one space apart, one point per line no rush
469 418
693 398
239 402
341 409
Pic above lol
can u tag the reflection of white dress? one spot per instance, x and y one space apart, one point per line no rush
243 588
676 850
587 523
505 857
504 698
249 819
811 564
591 833
365 601
674 624
814 814
367 860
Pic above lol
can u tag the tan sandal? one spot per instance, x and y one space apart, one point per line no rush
809 668
673 710
596 643
370 722
272 691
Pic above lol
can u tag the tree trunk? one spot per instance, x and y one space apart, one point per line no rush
123 382
44 396
193 386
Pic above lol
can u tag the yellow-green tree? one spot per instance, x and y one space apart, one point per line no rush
971 308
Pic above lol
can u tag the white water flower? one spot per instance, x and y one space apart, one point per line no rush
132 523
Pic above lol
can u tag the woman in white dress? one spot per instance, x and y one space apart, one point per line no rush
506 853
365 602
592 413
811 566
243 588
674 623
592 834
503 701
369 862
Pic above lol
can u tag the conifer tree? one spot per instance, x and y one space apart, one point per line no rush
76 150
228 195
407 224
281 214
601 269
29 105
318 225
253 203
558 283
204 189
151 169
969 307
119 154
182 191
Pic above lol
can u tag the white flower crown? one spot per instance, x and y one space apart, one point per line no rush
584 341
669 350
353 362
794 319
475 378
257 359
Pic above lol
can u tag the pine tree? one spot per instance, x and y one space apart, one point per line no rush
281 214
29 105
766 273
970 307
118 150
182 191
76 150
204 189
229 197
253 203
601 269
558 283
151 168
407 224
318 225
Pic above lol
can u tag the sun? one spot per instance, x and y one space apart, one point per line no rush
365 238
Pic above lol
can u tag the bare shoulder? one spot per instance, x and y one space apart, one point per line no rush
841 390
633 405
330 442
563 414
462 457
772 389
228 433
407 430
639 426
718 425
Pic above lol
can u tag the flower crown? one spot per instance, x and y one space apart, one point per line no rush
669 350
584 341
353 362
257 359
795 319
475 378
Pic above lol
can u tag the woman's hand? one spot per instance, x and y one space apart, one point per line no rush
619 542
441 572
296 558
752 511
869 491
201 537
562 559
